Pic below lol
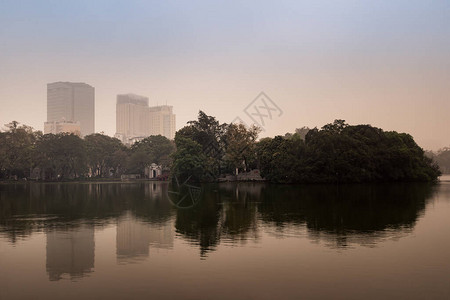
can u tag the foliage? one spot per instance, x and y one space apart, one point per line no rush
442 158
153 149
342 153
225 147
302 132
61 156
205 149
240 145
210 135
106 155
281 159
16 150
189 161
25 153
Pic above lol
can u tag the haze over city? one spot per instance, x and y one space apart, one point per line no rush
384 63
127 169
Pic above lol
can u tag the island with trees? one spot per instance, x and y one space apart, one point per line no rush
206 150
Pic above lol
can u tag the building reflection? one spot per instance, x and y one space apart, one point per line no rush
70 252
339 216
155 190
135 237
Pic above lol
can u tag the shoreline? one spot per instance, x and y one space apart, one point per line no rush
118 180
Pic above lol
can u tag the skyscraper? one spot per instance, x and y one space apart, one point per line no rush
72 102
135 120
131 117
162 121
62 126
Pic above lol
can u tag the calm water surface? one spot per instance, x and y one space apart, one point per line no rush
227 241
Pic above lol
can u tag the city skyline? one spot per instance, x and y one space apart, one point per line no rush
382 63
311 158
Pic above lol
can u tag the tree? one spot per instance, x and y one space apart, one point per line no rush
153 149
61 156
336 127
302 132
189 161
102 152
442 158
120 159
240 145
16 150
281 159
343 153
210 135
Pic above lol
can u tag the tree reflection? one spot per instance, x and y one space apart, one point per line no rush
69 213
340 215
232 213
226 212
27 208
239 211
200 223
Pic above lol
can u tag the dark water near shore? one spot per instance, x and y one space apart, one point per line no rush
227 241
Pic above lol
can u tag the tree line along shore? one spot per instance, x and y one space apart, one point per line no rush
206 150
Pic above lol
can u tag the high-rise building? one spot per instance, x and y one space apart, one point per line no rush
72 102
135 120
62 126
162 121
131 117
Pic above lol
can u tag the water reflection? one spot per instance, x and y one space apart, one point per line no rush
338 216
28 208
69 214
70 251
134 238
342 215
227 212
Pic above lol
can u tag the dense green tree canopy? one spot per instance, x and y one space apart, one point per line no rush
210 135
24 152
153 149
189 161
225 147
240 145
16 150
205 149
61 156
342 153
105 154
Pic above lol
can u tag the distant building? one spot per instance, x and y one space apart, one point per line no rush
135 120
72 102
62 127
162 121
153 171
132 117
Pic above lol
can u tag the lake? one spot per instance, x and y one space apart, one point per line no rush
224 241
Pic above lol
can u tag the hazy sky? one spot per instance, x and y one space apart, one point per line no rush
384 63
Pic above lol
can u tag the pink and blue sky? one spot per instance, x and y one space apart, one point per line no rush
384 63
